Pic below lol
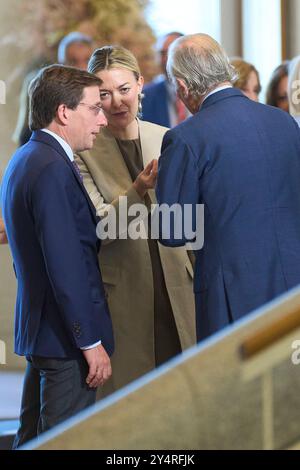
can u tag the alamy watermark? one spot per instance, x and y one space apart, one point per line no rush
2 92
179 224
296 354
296 92
2 352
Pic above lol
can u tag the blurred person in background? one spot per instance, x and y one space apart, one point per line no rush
74 49
248 78
160 103
277 91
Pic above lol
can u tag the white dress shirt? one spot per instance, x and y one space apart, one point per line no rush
70 154
62 142
297 119
224 87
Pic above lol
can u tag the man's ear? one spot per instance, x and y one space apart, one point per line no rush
182 88
62 114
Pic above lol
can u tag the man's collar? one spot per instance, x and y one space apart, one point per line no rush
216 90
62 142
220 95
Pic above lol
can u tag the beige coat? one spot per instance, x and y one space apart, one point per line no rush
126 264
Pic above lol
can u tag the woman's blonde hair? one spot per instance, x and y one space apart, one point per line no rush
244 70
112 57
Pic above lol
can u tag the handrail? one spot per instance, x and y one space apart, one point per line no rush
269 334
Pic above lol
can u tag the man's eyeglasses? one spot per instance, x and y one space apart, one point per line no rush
93 107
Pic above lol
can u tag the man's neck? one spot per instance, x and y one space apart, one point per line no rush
61 138
214 90
58 130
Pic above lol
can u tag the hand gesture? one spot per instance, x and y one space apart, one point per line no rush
3 237
146 179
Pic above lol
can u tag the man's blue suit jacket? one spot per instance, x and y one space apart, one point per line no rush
240 159
155 104
51 228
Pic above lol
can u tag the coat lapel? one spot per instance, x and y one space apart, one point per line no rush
47 139
146 143
106 164
112 162
151 138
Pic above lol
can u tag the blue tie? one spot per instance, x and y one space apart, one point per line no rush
77 170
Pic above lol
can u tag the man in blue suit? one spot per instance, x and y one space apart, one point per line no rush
62 322
241 160
160 104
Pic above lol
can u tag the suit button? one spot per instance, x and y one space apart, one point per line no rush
77 329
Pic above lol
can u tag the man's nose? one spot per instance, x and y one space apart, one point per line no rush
102 121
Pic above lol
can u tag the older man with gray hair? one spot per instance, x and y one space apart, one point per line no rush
240 159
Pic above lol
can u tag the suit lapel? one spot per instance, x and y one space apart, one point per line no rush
91 205
47 139
151 146
107 166
109 147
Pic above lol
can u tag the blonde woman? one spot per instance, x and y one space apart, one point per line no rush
149 286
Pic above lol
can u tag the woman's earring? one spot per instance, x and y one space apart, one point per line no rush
140 107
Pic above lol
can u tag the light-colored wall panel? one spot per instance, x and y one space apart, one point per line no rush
292 28
231 27
13 61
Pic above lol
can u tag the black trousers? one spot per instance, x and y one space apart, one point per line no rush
54 390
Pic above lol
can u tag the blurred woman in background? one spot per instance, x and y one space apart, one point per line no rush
248 81
277 91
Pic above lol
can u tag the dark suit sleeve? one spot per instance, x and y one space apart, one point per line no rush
55 205
177 183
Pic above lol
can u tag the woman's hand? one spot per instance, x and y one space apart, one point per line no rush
146 179
3 237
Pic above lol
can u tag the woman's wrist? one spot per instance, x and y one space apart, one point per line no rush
140 188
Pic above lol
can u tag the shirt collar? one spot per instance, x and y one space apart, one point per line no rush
62 142
297 119
224 87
